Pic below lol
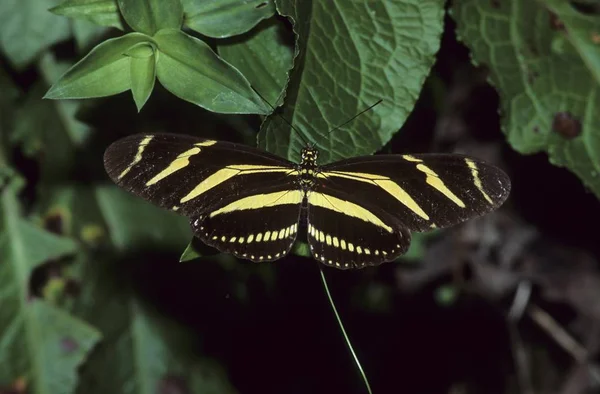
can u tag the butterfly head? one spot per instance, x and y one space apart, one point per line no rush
309 156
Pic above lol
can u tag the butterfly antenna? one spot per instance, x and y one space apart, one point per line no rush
281 116
355 116
339 320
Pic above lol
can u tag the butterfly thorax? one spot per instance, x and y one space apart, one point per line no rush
308 168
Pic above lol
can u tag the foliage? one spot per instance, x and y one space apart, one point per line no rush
544 58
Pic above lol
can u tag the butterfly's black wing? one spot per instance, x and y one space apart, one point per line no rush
378 199
240 200
345 231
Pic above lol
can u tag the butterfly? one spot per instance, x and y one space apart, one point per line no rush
355 212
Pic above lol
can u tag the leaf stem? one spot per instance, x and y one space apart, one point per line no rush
339 320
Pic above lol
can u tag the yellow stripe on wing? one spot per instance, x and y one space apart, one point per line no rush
180 162
383 183
477 180
347 208
138 156
229 172
259 201
434 180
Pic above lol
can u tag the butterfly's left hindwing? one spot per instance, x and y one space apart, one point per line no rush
239 199
257 227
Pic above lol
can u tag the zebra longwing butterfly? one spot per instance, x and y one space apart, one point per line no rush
356 212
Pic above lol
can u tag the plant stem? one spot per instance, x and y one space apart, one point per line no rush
339 320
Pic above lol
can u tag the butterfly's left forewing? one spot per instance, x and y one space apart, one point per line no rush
423 191
239 199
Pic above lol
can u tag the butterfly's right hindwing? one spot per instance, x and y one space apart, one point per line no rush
188 174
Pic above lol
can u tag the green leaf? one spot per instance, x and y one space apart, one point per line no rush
103 72
47 131
189 254
150 16
264 58
349 55
8 102
38 342
143 73
225 18
550 99
189 69
101 12
142 354
128 220
27 28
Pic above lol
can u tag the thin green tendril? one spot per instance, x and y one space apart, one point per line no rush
337 316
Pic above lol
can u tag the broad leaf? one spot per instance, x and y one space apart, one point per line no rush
103 72
8 103
150 16
38 342
350 55
100 12
550 96
189 69
27 28
128 220
43 131
47 130
225 18
264 57
142 352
